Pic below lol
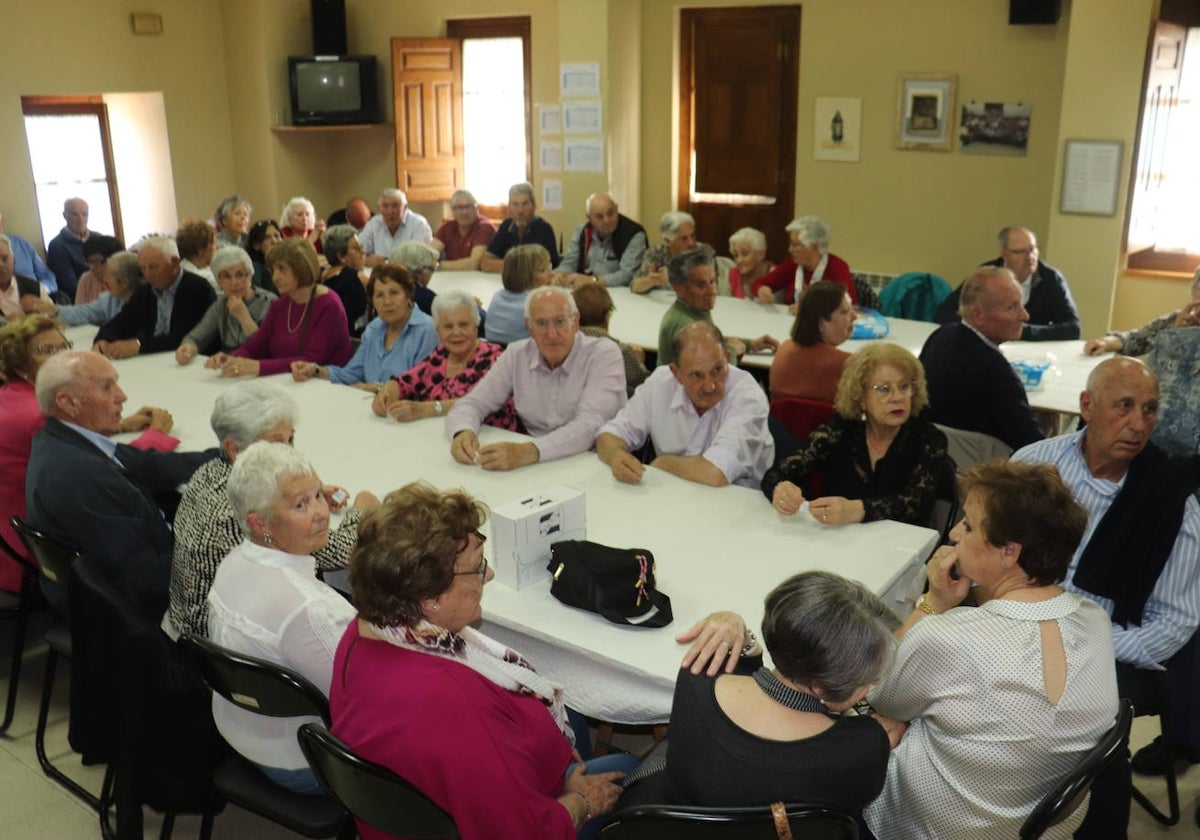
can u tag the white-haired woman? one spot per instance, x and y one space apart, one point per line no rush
266 600
231 220
235 314
206 527
679 235
808 261
453 368
421 263
1140 341
748 247
299 219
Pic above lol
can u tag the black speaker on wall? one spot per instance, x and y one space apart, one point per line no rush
329 27
1028 11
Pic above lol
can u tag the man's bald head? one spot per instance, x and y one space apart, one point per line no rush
81 387
358 212
1120 406
990 301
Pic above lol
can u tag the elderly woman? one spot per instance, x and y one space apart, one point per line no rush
808 261
809 365
455 366
393 342
748 247
264 235
231 220
25 344
206 527
679 235
1140 341
97 248
235 314
417 689
595 310
306 323
197 243
300 221
122 276
345 274
878 457
1025 680
830 640
525 268
266 601
421 263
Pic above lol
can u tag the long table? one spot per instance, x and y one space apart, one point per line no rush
715 548
637 318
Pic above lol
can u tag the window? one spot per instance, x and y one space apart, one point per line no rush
71 155
1165 196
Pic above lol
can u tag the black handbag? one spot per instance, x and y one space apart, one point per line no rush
618 583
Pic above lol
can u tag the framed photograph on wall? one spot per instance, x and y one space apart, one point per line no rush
925 111
837 128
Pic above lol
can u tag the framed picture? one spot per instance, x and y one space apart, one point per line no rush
994 128
837 128
925 111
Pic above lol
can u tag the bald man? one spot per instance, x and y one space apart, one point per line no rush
607 248
64 254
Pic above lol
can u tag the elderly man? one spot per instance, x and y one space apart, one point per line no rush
461 241
1140 555
13 286
607 248
971 385
706 420
96 495
678 231
356 213
808 261
693 276
160 313
522 227
64 254
565 387
395 223
1044 292
27 263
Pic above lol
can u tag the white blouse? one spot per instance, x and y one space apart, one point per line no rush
985 744
269 604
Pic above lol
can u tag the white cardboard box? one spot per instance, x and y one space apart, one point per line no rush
522 532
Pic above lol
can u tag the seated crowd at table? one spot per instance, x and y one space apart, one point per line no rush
950 722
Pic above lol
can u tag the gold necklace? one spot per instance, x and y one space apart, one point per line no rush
300 323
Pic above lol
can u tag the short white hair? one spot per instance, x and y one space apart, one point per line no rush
256 481
58 372
285 215
523 188
229 256
673 221
165 245
447 302
755 238
813 231
392 192
542 291
457 194
247 410
413 256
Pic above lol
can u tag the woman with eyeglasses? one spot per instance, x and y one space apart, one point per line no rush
809 364
266 601
416 688
878 457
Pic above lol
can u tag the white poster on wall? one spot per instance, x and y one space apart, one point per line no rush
550 156
585 155
550 118
551 194
583 117
578 80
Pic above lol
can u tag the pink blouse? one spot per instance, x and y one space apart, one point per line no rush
282 338
427 381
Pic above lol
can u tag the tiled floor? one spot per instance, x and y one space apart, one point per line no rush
34 808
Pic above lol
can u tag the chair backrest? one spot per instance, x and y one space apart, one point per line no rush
669 822
801 416
1068 794
373 793
966 449
253 684
914 295
52 557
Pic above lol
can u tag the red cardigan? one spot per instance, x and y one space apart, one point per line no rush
784 277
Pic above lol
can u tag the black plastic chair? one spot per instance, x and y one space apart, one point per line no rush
1068 794
17 606
265 688
54 561
670 822
373 793
1171 817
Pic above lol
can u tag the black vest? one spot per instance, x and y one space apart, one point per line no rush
626 229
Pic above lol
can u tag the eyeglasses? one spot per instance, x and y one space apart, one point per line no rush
884 389
542 324
1022 252
96 259
52 349
482 568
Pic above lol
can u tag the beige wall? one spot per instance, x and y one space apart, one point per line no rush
222 69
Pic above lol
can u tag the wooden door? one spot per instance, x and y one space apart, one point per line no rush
427 93
739 85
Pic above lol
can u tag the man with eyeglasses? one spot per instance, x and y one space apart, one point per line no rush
463 240
13 286
971 384
607 248
1044 291
564 385
707 420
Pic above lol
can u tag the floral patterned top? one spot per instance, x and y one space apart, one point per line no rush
903 484
427 381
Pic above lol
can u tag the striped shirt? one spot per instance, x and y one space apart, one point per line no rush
1172 611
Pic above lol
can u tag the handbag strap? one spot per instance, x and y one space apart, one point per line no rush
782 828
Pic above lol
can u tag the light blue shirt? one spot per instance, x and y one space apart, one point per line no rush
104 443
1172 611
506 317
372 363
27 263
99 311
377 239
166 303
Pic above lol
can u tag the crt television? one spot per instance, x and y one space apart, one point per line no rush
333 89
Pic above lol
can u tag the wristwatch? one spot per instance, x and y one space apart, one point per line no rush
437 408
